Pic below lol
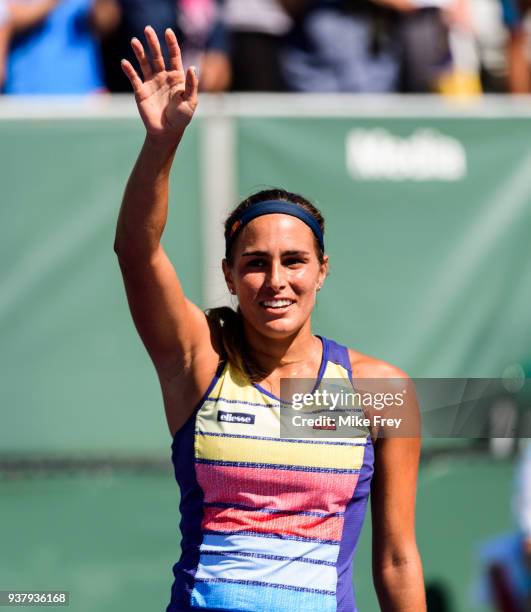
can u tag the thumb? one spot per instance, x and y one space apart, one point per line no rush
192 85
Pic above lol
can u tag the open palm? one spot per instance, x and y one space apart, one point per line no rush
166 99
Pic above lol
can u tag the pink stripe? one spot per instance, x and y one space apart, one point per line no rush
232 519
276 489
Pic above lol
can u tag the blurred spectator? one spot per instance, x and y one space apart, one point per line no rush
117 21
491 43
505 581
52 50
514 14
522 510
438 597
365 46
257 30
204 42
424 47
4 35
197 23
463 75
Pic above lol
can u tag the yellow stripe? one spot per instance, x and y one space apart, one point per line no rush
279 452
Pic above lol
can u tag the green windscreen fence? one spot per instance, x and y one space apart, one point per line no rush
75 376
427 229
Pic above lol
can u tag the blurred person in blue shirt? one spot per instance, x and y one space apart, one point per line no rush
52 49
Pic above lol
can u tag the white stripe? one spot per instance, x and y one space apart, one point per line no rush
276 546
285 572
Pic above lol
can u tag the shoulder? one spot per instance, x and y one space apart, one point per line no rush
387 383
365 366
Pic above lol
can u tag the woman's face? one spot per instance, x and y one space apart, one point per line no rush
276 273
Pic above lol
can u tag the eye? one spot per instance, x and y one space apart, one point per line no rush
293 261
256 263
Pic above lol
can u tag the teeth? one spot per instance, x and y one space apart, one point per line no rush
277 303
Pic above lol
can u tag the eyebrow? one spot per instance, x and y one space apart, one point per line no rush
266 254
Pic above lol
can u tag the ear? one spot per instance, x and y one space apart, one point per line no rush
227 273
323 272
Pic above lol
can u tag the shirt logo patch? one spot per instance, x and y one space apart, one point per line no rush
236 417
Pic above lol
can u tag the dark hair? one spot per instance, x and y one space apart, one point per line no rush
228 322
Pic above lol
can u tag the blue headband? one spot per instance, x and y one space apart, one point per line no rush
267 208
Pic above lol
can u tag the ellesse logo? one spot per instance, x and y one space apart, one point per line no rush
236 417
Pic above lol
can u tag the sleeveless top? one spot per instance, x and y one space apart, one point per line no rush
268 524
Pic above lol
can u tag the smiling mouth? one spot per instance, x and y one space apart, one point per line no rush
276 304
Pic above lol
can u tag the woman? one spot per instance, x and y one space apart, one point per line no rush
267 523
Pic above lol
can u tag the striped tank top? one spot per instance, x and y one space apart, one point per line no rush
268 524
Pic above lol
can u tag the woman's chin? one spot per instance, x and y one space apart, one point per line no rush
279 327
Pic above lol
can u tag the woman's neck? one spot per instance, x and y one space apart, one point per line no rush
294 355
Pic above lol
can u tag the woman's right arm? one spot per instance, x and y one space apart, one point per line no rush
174 331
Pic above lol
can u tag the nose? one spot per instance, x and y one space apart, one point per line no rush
275 279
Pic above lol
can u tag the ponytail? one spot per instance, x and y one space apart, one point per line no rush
228 324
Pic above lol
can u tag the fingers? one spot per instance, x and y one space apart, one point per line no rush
154 45
191 86
142 58
131 74
176 62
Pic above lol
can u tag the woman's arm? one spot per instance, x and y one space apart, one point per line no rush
397 568
396 565
175 331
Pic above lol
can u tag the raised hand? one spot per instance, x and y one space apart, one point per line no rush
167 98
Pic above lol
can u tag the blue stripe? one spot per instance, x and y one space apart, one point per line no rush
297 440
277 466
274 510
245 403
239 597
241 553
259 583
280 536
338 354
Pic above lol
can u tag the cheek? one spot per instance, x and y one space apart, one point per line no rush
250 283
304 281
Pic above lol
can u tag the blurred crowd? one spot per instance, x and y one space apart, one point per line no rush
367 46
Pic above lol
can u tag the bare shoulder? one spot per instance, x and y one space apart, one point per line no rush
365 366
389 384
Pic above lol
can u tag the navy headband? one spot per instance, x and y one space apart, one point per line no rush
269 207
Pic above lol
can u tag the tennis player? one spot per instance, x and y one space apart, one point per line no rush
269 523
